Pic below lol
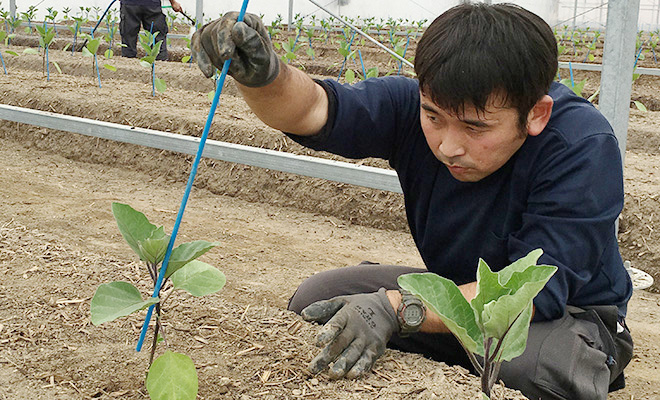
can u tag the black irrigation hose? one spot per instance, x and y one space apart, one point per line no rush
98 23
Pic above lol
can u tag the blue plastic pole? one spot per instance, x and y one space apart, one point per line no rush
153 65
341 70
364 71
3 63
186 194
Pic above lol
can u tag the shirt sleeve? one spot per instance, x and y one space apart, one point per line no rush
575 197
367 119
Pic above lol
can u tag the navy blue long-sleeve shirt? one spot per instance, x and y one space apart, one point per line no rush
561 191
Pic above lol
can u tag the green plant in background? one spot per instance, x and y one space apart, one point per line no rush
653 42
4 37
66 11
310 32
84 12
187 59
275 27
289 48
172 375
111 26
14 23
97 12
78 22
46 36
52 15
152 48
91 49
28 16
171 21
638 104
495 324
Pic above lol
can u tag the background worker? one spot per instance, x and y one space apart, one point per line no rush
494 159
134 14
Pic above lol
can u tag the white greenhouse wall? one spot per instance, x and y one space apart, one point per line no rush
592 13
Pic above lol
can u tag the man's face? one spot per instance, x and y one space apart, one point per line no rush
472 145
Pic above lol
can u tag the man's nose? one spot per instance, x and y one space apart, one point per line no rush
451 146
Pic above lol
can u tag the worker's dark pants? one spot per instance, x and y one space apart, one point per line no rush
134 16
578 356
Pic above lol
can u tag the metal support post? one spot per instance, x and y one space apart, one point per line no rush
12 8
199 12
574 14
290 24
618 60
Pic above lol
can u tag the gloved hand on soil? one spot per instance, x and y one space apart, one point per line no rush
254 62
357 330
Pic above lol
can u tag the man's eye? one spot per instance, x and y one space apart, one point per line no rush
473 129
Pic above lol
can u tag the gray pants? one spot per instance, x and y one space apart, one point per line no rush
579 356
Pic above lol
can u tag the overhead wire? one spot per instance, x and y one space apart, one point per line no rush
581 14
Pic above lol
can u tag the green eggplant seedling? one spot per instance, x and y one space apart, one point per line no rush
495 324
90 50
172 375
151 49
46 37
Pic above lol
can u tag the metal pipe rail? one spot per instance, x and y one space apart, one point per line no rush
599 67
338 171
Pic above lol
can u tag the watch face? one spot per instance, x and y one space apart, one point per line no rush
413 314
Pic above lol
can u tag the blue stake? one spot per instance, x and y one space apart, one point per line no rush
153 65
96 62
404 55
3 63
341 70
570 69
364 72
186 194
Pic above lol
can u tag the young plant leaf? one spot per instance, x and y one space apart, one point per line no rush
133 225
110 67
93 45
145 63
30 51
515 341
349 76
160 85
185 59
198 278
13 53
117 299
519 265
488 289
86 52
186 252
172 376
445 299
154 247
640 106
57 66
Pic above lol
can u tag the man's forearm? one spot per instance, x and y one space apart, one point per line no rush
293 102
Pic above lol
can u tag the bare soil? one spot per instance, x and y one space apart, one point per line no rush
58 242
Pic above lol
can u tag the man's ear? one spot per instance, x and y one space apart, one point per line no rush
539 115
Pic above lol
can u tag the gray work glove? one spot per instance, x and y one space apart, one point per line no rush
254 62
357 330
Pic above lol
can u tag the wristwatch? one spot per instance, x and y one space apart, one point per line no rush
411 313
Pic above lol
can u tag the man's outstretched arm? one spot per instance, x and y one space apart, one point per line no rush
283 97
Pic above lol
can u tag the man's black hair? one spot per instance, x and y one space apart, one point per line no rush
474 50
